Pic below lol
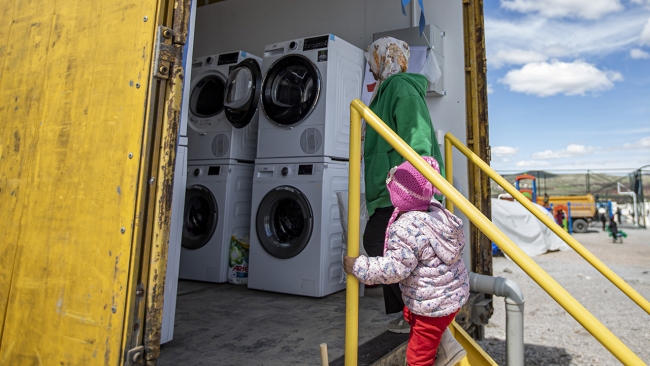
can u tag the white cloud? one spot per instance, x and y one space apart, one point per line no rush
490 90
556 38
644 38
644 143
531 163
571 151
515 57
637 54
545 79
588 9
557 50
504 150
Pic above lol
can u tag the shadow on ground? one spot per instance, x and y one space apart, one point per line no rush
534 355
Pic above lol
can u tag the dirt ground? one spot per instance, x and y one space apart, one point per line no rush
551 335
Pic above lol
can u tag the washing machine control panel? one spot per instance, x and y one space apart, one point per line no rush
228 58
315 43
306 169
303 171
202 171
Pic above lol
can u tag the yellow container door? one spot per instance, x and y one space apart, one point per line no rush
86 141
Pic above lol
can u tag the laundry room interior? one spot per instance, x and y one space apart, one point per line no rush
254 273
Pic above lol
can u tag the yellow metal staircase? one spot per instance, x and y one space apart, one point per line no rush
475 355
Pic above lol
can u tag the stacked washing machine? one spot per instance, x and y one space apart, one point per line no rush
302 154
222 144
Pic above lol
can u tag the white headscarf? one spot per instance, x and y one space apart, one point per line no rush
387 56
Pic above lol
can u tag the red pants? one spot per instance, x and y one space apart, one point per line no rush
424 338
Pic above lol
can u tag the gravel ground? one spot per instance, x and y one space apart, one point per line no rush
551 335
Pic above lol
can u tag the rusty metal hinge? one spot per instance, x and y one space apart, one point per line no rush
164 54
135 357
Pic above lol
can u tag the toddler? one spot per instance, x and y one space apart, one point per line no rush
422 251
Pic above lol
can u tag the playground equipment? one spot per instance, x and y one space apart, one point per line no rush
530 193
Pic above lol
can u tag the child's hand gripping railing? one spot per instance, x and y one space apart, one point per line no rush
357 111
451 140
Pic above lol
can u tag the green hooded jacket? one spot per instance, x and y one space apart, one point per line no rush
401 105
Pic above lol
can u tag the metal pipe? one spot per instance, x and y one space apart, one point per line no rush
354 208
514 299
569 219
414 13
449 172
622 352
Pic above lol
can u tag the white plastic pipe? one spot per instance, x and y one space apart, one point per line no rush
514 299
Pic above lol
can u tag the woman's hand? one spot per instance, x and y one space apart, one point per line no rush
348 264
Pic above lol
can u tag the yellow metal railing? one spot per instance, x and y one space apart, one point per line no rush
357 111
579 248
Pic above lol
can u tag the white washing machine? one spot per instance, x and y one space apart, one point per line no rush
306 93
217 206
296 234
223 107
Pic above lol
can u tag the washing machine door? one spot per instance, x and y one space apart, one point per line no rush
284 222
290 90
243 92
206 99
199 218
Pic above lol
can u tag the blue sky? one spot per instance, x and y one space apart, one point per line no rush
569 84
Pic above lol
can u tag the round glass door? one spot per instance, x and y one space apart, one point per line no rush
206 98
243 92
291 88
199 218
284 222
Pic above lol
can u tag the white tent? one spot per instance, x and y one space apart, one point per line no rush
524 229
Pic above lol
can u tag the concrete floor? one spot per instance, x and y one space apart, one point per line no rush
224 324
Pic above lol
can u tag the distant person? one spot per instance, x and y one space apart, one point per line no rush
603 220
559 217
613 228
423 253
618 214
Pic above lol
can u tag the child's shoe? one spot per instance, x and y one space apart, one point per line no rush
399 325
450 352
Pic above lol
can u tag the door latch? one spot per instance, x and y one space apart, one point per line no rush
164 54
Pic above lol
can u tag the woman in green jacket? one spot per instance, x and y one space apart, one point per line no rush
399 100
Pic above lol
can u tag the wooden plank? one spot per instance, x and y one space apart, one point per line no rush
71 70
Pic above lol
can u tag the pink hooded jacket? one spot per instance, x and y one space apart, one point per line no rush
423 254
